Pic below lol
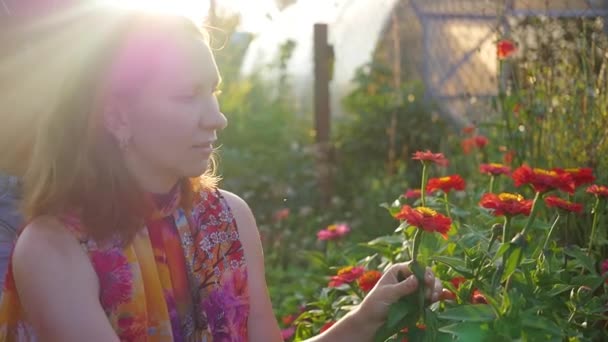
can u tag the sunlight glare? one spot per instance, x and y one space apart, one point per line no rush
193 9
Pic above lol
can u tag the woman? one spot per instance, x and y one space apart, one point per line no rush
125 241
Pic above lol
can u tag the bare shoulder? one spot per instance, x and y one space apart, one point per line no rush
245 221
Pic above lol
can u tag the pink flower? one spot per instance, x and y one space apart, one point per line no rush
333 232
288 333
412 194
281 215
430 157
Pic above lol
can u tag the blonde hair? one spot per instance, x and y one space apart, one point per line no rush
75 164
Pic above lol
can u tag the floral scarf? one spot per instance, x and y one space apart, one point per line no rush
183 278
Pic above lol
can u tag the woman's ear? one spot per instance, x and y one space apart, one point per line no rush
116 122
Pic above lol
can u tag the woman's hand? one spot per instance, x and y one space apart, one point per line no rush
374 308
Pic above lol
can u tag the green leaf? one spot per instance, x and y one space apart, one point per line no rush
559 288
467 331
456 264
542 323
512 262
584 260
469 313
391 240
503 248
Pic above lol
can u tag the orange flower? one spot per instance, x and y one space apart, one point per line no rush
445 184
556 202
346 275
505 48
457 281
598 190
288 319
333 232
543 180
508 157
368 280
467 145
580 175
280 215
494 169
426 219
428 156
506 204
470 129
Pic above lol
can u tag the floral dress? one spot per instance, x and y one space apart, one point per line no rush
183 278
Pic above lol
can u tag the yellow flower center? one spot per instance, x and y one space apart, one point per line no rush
505 196
444 179
345 270
332 228
496 165
426 211
545 172
573 170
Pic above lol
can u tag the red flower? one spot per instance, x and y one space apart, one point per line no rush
598 190
481 141
426 219
543 180
505 48
281 215
478 298
346 275
288 333
327 326
429 156
580 175
412 194
494 169
457 281
506 204
333 232
368 280
556 202
445 184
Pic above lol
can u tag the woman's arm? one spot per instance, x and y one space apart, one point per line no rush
262 324
57 285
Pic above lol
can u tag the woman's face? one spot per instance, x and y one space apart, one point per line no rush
173 120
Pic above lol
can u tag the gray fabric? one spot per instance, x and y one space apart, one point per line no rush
10 220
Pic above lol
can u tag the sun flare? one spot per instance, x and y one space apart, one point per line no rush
194 9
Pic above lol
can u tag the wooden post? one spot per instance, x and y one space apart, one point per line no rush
323 58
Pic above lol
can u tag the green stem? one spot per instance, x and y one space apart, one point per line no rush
491 189
550 232
505 229
415 247
533 213
447 206
416 244
594 224
425 179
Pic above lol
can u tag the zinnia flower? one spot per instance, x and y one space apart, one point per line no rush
467 145
556 202
288 319
598 190
506 204
368 280
346 275
457 281
445 184
426 219
288 333
412 194
481 141
494 169
281 215
543 180
428 156
580 175
505 48
508 157
333 232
